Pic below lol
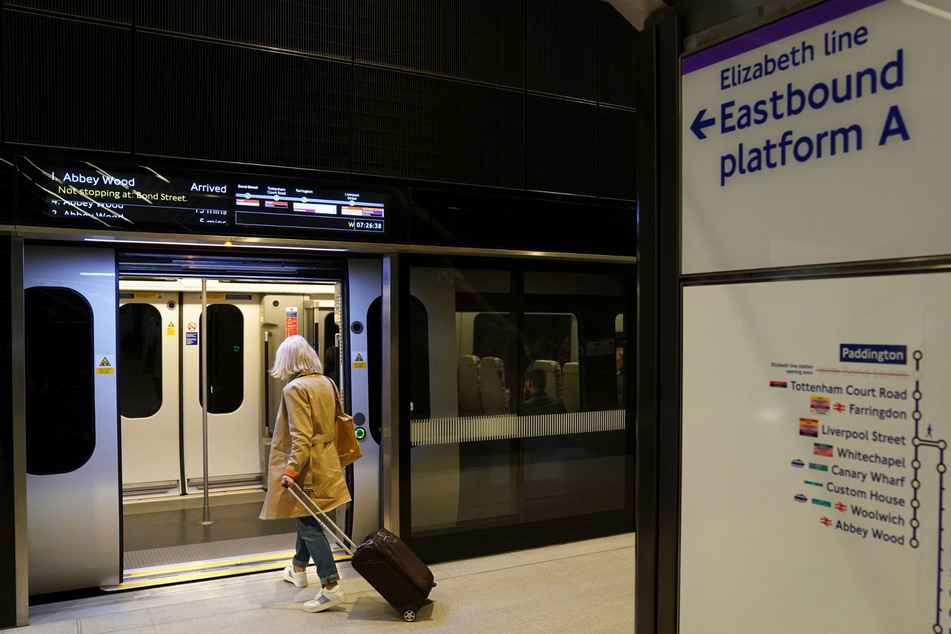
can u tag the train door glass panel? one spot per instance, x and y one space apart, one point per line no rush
225 359
463 463
148 395
235 427
60 405
527 429
140 360
579 467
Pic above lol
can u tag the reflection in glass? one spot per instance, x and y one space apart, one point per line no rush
529 427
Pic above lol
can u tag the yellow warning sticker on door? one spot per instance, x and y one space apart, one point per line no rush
170 329
359 361
146 296
105 366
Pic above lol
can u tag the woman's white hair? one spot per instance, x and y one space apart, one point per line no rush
295 355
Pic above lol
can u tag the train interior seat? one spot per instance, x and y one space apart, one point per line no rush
572 386
494 395
470 386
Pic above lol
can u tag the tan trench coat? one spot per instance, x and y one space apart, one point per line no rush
303 447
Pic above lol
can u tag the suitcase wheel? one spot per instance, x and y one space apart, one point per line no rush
409 615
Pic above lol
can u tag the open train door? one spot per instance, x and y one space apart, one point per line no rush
73 497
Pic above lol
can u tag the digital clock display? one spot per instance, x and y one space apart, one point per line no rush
140 197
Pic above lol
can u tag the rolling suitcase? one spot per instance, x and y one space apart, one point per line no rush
384 560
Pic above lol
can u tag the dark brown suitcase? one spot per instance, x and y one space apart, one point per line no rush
388 564
384 560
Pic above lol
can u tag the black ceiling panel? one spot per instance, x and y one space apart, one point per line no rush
616 57
66 83
397 34
318 28
561 146
617 154
562 47
434 129
207 100
111 10
479 41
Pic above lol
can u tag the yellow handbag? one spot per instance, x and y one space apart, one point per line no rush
348 447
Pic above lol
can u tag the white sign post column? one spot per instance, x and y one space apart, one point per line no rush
816 414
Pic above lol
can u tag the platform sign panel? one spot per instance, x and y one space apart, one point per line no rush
822 137
816 437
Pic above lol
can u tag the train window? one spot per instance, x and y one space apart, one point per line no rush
375 368
140 360
225 359
419 355
529 428
60 373
419 358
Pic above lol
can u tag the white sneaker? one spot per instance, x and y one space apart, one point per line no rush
325 599
299 579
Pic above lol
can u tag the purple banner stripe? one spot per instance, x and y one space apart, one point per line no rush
772 32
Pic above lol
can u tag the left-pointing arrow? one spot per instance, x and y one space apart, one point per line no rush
699 123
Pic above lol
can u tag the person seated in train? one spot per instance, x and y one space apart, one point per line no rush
330 364
619 364
303 451
536 400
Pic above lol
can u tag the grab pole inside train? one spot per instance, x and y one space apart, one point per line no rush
206 521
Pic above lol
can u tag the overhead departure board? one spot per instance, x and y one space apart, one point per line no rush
86 194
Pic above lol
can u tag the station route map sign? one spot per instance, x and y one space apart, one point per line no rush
94 195
822 137
816 458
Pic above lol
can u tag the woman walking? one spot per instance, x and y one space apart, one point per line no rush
303 451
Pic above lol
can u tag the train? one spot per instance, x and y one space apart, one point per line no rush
149 408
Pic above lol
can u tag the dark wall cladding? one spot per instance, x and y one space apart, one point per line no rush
480 41
319 28
508 222
617 154
493 93
562 48
434 129
397 33
97 9
616 57
8 174
561 146
65 83
222 102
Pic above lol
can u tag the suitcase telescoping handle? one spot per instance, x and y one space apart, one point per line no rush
342 538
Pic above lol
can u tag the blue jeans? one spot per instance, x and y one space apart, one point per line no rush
313 544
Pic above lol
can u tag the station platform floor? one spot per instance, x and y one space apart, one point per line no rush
583 586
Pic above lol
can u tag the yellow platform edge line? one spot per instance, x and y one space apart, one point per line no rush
223 562
277 562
